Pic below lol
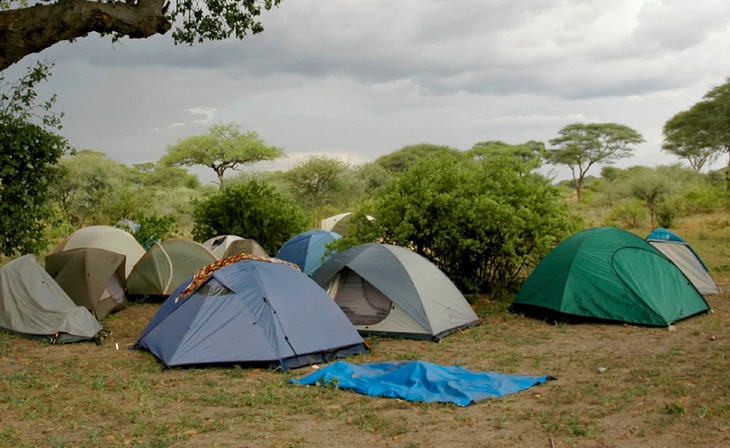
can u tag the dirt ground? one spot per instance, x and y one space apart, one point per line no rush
615 386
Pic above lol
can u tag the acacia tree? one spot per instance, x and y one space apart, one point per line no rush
531 151
702 132
686 137
30 29
581 145
224 148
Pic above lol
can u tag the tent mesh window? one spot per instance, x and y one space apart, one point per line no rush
362 302
213 288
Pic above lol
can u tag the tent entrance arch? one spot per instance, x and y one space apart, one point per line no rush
362 302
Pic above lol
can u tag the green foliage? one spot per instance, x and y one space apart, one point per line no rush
224 148
399 161
630 214
371 176
703 197
252 210
28 157
151 228
153 174
96 190
481 222
532 151
218 19
701 133
319 182
666 214
685 137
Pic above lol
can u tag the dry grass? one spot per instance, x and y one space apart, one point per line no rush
660 388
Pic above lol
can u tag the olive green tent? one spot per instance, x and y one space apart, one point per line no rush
165 266
92 277
609 274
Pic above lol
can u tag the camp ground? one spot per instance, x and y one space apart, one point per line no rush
92 277
32 304
686 259
308 250
608 274
105 237
251 312
224 246
165 265
391 290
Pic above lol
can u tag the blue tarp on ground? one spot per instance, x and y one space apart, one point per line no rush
420 381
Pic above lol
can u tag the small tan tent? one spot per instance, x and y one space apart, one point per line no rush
93 278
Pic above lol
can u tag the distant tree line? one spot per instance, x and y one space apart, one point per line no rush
484 215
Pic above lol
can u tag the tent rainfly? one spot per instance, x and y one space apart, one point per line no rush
391 290
608 274
686 259
165 265
32 303
250 312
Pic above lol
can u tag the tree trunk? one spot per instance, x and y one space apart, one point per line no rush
727 169
30 30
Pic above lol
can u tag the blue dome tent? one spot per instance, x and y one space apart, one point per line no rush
251 312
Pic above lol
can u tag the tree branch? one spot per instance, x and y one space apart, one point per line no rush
31 30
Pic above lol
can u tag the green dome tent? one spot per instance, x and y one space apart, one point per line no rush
165 265
606 273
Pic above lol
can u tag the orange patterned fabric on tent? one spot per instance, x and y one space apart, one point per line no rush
203 274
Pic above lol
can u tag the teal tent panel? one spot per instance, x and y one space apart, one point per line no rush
666 294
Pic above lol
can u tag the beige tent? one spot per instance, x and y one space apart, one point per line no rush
165 266
93 278
339 224
225 246
105 237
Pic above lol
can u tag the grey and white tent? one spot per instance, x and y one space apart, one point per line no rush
32 303
391 290
685 258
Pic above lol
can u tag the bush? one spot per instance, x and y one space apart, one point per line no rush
250 209
630 214
482 222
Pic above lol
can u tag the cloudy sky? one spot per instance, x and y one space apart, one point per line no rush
358 79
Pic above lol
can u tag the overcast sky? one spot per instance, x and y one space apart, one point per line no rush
358 79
